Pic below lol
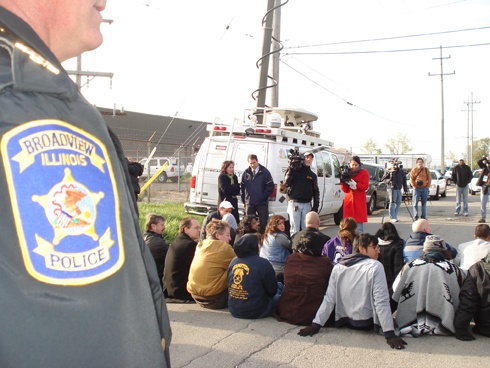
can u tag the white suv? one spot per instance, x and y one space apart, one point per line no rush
170 172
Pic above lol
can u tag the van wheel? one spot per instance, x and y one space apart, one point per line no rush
174 179
443 195
162 178
436 197
337 217
371 204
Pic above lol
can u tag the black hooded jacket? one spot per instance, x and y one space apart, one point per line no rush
474 299
251 280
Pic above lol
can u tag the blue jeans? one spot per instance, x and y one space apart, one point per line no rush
395 201
273 301
461 193
297 218
484 200
417 194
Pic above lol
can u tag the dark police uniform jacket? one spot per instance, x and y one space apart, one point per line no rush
78 285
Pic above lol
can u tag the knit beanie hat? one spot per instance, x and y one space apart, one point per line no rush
434 243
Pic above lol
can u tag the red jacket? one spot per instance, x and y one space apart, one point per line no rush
355 200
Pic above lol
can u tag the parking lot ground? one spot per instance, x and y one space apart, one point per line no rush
213 338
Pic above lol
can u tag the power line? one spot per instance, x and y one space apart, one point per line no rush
389 38
383 51
347 102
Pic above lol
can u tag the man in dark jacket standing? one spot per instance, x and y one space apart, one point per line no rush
78 285
302 186
474 302
178 262
484 183
461 177
396 181
257 186
155 226
252 285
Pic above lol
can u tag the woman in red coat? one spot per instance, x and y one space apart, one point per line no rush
355 193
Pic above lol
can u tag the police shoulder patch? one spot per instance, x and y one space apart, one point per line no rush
65 202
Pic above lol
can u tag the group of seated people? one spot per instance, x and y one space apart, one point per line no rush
353 280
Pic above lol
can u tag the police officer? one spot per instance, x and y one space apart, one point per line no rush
302 187
78 285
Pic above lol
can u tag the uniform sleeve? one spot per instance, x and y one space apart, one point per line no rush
382 299
469 300
329 301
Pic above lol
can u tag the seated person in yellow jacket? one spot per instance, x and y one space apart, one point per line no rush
208 282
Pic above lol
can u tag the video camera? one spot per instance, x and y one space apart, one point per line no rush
395 165
345 174
296 159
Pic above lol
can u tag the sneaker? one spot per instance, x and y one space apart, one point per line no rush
466 215
456 214
481 221
393 220
416 218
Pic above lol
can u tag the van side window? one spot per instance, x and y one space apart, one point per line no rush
319 165
153 162
336 166
327 165
381 174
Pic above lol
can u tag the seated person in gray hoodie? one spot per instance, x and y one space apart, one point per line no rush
358 292
252 286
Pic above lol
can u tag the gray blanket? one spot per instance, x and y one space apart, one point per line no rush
428 297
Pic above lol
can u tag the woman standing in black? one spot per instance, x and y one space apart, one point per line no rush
229 187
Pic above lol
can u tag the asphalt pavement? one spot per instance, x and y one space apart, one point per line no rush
213 338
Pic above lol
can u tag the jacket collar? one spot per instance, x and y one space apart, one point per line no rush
34 68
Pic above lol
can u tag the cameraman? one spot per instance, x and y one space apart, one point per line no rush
302 186
395 179
484 183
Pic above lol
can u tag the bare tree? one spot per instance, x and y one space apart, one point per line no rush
371 148
451 156
399 144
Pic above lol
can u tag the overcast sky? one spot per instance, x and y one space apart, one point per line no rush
179 56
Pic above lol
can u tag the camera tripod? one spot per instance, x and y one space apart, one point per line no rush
387 204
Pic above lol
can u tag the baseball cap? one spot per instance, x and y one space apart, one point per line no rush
225 204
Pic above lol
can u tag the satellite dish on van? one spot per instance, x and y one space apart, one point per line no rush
296 117
274 120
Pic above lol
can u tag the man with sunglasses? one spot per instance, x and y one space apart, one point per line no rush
358 293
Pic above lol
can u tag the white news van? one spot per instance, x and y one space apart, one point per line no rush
284 129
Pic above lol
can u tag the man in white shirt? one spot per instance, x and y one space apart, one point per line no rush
473 251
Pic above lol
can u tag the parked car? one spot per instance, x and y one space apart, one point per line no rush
171 171
473 188
437 186
447 176
377 191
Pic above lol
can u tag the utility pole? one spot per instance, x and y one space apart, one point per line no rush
263 63
78 72
276 48
470 104
468 133
443 165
